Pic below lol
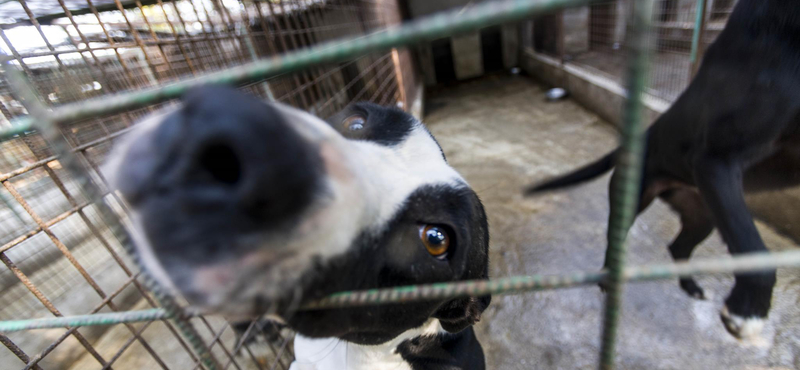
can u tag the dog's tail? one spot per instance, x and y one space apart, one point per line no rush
578 176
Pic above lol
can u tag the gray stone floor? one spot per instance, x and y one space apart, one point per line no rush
501 134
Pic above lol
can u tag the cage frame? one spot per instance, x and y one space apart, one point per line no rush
47 122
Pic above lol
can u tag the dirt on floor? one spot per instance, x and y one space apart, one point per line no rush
501 134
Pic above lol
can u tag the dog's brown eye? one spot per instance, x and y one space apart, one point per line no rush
435 239
354 123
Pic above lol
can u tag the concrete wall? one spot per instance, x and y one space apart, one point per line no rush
466 49
781 209
467 56
598 93
576 30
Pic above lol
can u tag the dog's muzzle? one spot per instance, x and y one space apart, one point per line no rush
230 195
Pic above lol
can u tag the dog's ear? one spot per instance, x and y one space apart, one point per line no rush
460 313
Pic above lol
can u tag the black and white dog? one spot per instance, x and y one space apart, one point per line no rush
245 207
735 129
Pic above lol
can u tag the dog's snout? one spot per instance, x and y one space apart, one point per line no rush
223 164
248 158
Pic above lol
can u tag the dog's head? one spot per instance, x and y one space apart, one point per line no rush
244 206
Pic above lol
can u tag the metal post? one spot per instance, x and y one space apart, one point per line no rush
625 187
697 38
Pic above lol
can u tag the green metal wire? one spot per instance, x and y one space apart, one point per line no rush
510 285
19 126
624 193
627 177
440 25
84 320
698 25
51 133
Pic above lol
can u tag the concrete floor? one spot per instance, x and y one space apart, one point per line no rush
501 134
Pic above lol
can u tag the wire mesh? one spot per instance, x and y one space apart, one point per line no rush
675 23
60 258
292 25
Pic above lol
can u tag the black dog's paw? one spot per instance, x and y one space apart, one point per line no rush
746 328
692 289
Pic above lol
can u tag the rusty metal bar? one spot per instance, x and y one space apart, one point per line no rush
41 355
214 340
317 80
51 133
114 255
16 241
316 19
175 35
185 36
68 254
136 38
136 335
111 42
371 81
217 340
281 350
306 39
49 305
283 17
217 45
352 82
398 72
79 148
155 38
240 343
16 351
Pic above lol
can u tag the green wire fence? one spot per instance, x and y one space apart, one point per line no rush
624 193
509 285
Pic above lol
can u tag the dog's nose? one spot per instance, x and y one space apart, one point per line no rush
245 156
223 161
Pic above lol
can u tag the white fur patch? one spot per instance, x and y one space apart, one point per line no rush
367 184
748 329
336 354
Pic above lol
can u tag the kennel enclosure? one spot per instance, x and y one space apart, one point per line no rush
64 103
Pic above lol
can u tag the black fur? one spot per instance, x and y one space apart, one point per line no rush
736 128
198 188
384 125
397 257
220 177
444 352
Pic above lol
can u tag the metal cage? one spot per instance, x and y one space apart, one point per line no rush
59 256
79 73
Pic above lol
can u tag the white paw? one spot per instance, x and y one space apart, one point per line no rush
745 328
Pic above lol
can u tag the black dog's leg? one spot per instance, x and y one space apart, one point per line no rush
720 183
648 192
696 225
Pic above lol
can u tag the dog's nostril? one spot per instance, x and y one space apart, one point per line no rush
222 163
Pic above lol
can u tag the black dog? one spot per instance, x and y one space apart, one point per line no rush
245 207
734 129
